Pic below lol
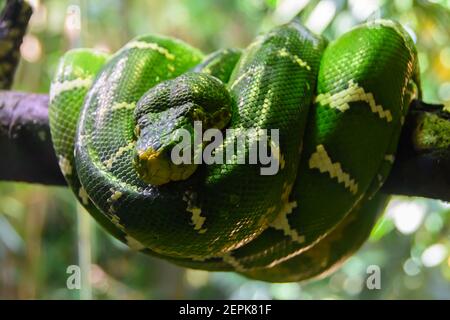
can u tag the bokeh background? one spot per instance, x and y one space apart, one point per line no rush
43 230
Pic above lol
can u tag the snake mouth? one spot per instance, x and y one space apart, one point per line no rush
156 167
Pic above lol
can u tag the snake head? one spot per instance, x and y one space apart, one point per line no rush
167 119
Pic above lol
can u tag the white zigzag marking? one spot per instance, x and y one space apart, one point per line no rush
115 195
150 45
83 196
59 87
389 157
282 223
123 105
117 106
320 160
353 93
65 165
196 218
295 58
232 261
116 221
108 163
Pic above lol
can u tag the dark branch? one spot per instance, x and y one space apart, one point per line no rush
27 151
422 167
13 25
24 132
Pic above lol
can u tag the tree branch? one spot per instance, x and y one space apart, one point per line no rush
24 132
422 167
27 151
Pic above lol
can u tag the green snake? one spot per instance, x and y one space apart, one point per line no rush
338 108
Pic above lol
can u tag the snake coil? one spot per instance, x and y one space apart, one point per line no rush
338 108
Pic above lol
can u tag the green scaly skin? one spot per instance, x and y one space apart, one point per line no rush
300 223
332 251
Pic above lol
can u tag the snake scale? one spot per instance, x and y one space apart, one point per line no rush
338 108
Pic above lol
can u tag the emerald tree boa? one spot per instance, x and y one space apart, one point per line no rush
337 108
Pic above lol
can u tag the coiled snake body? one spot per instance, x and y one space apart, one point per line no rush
339 109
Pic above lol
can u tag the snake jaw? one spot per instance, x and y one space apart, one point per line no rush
156 167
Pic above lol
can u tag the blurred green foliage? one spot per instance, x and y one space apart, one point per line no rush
43 231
